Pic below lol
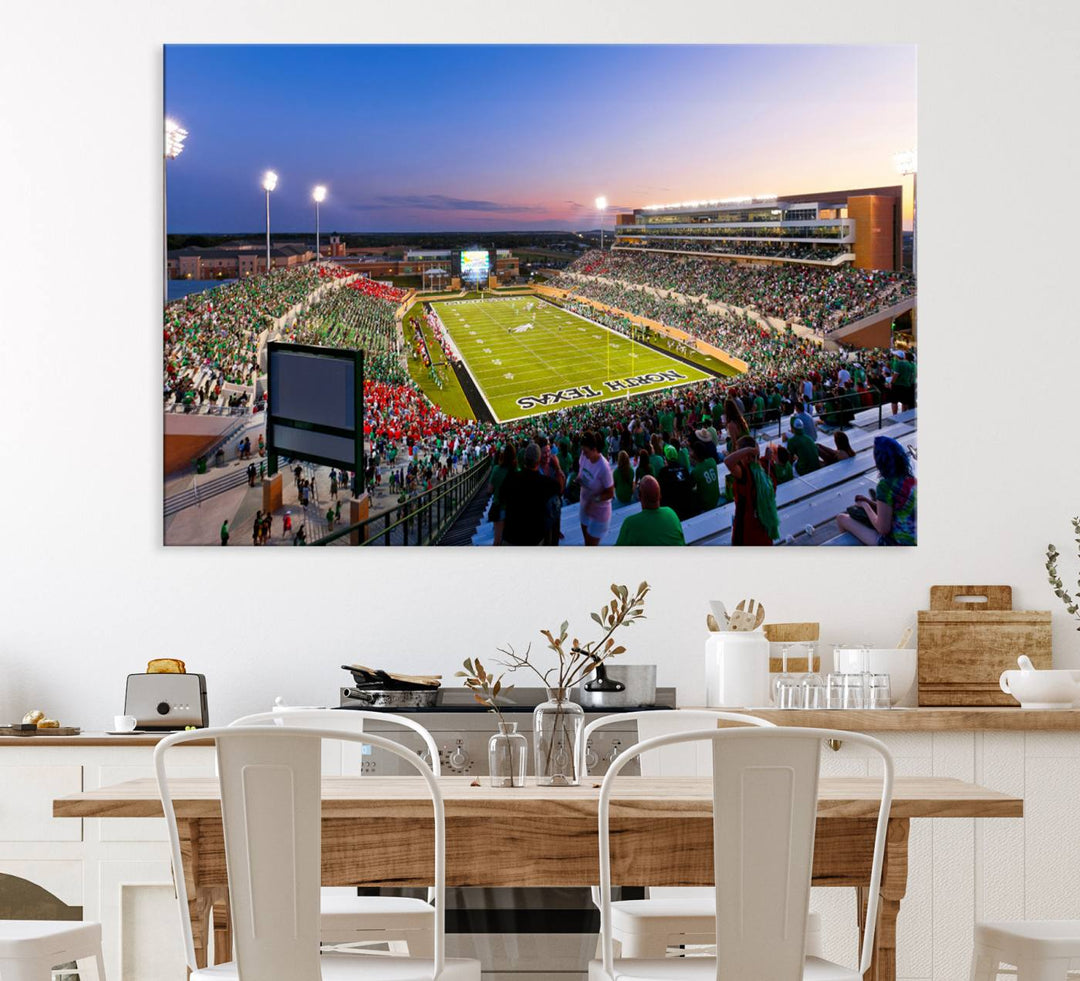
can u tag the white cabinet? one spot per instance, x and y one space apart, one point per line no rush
117 870
961 870
26 801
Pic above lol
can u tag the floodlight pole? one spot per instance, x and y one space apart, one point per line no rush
318 195
268 231
174 146
907 163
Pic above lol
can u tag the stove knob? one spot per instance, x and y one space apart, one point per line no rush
591 757
458 758
163 708
614 752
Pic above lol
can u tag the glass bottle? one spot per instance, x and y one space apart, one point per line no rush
557 725
508 755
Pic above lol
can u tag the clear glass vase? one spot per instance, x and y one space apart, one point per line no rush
557 725
508 755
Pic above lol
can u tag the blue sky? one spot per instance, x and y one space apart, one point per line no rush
487 137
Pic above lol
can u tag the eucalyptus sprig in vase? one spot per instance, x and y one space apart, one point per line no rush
558 722
1071 601
508 750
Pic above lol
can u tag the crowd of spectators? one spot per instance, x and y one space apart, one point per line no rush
795 251
679 452
822 299
761 347
702 446
356 316
212 338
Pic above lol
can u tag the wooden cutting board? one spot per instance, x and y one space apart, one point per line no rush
968 637
60 731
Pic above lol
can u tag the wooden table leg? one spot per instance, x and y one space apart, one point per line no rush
893 889
222 921
200 898
199 914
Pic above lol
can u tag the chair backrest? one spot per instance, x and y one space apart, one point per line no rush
765 791
347 720
676 761
271 809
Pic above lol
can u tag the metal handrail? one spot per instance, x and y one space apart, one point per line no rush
818 403
418 512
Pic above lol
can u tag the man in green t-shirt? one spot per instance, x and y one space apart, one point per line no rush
803 449
704 476
667 422
654 525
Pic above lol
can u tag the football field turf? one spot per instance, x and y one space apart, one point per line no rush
525 368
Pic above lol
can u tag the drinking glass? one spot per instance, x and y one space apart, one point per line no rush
853 691
834 690
813 691
879 694
788 692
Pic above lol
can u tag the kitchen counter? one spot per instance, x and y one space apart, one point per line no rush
88 739
923 719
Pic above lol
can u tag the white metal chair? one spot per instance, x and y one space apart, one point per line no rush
271 810
679 916
765 790
1041 950
30 949
399 921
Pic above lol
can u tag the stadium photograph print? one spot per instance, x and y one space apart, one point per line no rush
666 306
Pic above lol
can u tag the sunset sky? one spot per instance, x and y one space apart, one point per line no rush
506 137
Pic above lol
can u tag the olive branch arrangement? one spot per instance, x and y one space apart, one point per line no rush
486 688
1071 601
577 662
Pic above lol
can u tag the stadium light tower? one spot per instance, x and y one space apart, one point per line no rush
601 206
318 195
907 163
175 134
269 183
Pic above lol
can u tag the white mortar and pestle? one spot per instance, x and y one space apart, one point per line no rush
1035 689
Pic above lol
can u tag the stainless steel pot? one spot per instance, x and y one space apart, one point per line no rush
389 698
619 686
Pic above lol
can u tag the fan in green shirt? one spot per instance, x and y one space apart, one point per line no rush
623 475
803 448
654 525
705 478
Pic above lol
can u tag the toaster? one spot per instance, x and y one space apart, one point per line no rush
165 702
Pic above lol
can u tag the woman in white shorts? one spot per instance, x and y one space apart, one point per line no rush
597 489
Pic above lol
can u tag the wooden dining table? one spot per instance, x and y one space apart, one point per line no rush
377 832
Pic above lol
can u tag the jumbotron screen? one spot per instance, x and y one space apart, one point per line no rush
475 265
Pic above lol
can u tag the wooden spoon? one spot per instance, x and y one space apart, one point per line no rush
748 617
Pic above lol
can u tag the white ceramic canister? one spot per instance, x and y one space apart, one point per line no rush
737 669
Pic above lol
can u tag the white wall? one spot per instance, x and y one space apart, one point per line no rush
88 592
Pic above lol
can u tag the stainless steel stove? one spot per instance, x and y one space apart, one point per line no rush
528 934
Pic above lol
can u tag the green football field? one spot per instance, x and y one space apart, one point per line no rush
526 362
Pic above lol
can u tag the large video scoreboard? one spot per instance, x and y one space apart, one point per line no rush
474 265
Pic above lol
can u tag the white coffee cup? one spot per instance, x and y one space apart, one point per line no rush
124 723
